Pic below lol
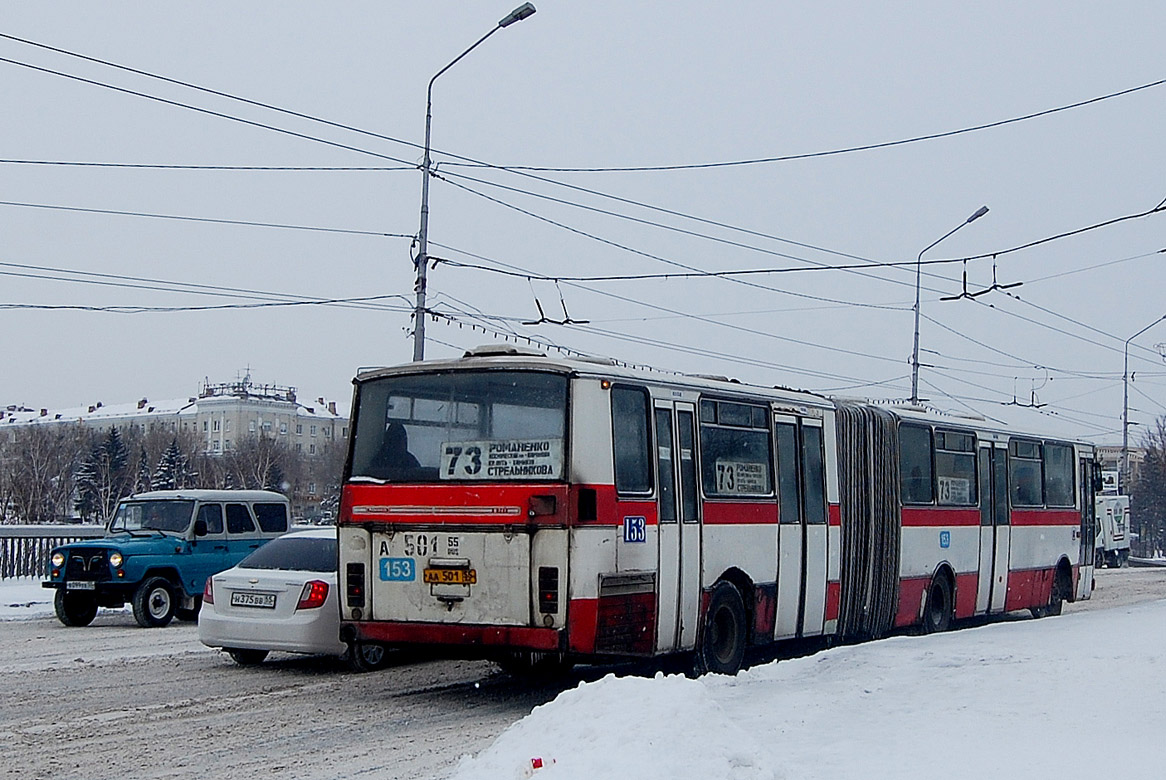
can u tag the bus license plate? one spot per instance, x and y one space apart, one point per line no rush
450 576
80 585
261 600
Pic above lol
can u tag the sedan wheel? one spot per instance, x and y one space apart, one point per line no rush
246 657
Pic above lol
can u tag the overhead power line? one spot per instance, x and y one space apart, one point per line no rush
831 152
301 115
126 281
209 91
688 315
201 110
160 166
681 275
247 223
125 309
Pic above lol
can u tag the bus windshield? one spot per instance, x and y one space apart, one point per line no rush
460 425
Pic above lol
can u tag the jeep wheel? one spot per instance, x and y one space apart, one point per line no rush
154 603
75 609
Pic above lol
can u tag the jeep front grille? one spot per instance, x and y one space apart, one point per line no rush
87 565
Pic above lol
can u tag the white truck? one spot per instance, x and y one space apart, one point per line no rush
1113 531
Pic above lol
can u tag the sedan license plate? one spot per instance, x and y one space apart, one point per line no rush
80 585
245 599
450 576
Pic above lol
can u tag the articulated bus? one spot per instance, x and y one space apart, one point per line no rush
537 510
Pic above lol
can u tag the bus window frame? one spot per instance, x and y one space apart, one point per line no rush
768 430
650 451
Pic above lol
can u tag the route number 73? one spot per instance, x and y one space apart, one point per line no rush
470 459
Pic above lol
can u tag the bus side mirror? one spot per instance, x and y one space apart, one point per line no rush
1098 481
199 528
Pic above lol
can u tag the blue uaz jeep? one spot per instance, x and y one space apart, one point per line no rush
158 551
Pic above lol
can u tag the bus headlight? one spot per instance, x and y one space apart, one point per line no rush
115 559
58 560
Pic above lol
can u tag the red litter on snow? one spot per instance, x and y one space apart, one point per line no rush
536 764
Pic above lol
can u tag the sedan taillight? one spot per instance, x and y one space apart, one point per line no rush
313 595
208 593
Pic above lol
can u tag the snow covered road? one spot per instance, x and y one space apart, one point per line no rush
1018 698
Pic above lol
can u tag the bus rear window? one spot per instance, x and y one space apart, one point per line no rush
461 425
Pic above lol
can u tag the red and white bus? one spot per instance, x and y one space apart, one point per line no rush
522 507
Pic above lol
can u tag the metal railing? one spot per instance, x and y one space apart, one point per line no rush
24 549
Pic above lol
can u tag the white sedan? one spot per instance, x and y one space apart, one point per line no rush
281 597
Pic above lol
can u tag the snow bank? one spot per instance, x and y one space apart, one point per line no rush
24 598
1059 698
639 728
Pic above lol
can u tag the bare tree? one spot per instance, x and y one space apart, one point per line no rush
37 464
259 463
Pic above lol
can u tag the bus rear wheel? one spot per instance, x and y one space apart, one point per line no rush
722 645
367 656
937 613
1056 598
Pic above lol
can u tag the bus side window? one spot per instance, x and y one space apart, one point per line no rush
630 440
1060 489
814 474
789 486
1024 467
915 464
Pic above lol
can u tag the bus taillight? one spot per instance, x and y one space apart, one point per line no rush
355 580
548 589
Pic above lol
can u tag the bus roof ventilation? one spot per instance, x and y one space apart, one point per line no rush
496 350
601 361
716 378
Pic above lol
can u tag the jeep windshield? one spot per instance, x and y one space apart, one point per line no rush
172 517
461 426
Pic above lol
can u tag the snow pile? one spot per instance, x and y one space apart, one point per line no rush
1022 698
648 729
24 598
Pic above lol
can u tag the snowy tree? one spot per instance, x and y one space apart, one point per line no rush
173 472
142 483
85 481
104 478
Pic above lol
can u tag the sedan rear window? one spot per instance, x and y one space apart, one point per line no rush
294 553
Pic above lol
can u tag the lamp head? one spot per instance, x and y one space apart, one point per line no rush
979 213
517 15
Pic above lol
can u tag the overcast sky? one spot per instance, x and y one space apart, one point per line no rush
593 85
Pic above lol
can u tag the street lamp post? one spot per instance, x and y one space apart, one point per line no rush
1124 476
517 15
918 276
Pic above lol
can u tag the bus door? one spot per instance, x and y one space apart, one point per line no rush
817 529
678 531
1088 529
802 529
995 529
